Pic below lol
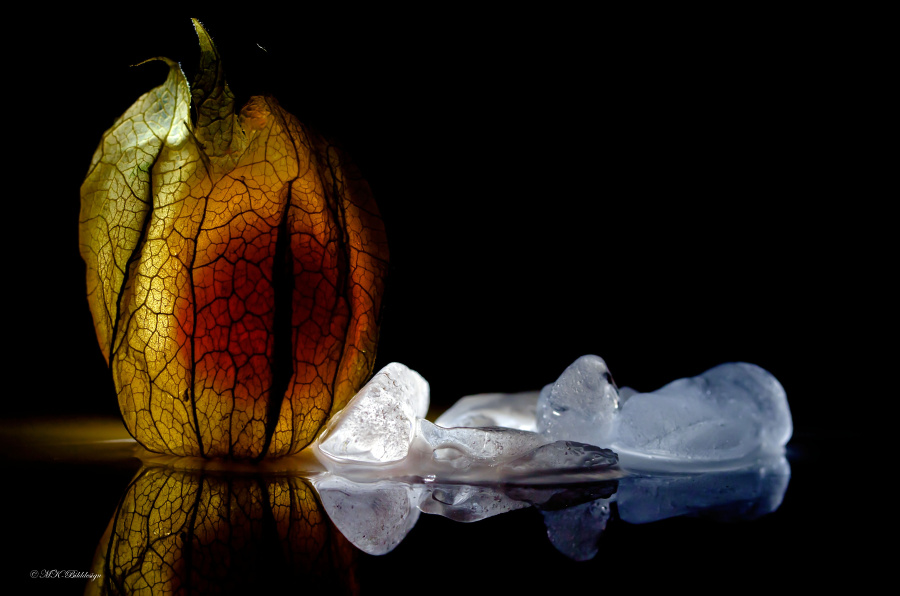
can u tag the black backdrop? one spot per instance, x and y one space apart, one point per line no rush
667 190
669 193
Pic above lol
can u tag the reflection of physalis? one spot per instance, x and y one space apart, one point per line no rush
235 269
184 532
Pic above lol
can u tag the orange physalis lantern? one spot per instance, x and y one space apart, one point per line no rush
235 269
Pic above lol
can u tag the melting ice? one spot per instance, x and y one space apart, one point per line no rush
383 432
722 419
488 453
730 413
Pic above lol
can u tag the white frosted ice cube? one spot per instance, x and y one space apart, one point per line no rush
580 405
509 410
379 423
730 412
625 393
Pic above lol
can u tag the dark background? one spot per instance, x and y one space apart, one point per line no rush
669 191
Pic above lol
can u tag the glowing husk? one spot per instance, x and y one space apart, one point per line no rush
231 261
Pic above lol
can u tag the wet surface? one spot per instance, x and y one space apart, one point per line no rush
63 487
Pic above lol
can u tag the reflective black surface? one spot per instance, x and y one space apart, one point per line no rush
62 498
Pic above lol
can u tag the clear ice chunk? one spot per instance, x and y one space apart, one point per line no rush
463 448
561 457
729 413
580 405
510 454
509 410
379 423
382 433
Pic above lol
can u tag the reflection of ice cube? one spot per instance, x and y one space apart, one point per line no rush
580 405
464 503
733 495
510 410
375 517
729 413
575 531
554 498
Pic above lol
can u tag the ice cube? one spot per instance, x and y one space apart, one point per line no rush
721 419
463 448
379 423
580 405
509 410
561 457
729 413
625 393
